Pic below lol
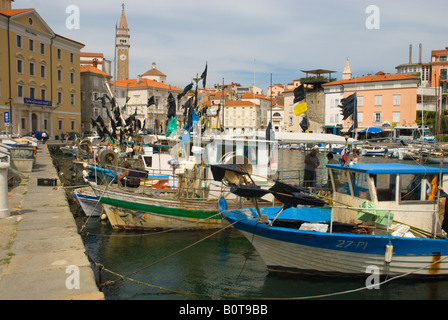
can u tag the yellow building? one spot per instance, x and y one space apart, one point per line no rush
40 83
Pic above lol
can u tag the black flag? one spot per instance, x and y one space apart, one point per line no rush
186 89
204 76
150 102
348 106
299 94
304 124
269 132
171 107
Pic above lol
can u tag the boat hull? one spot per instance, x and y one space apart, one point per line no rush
89 202
312 252
126 210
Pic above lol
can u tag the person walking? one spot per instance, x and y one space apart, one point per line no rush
311 164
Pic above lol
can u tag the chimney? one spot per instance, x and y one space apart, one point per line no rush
95 62
410 53
420 53
139 78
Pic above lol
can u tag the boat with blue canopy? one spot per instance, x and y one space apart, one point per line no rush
383 217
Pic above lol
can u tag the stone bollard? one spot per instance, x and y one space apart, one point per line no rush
4 201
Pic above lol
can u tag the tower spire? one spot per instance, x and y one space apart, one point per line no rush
122 46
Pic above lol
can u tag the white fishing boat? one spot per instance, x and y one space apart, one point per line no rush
383 218
88 201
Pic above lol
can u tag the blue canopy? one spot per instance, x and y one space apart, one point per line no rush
373 130
389 168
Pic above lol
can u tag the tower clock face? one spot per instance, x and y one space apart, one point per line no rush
123 57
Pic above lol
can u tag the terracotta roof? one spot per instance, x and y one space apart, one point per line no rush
153 72
13 12
132 83
240 103
88 68
249 95
91 54
379 76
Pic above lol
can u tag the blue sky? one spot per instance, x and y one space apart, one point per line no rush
246 39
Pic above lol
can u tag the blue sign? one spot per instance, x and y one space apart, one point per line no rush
6 117
38 102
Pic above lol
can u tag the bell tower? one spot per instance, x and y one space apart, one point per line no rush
122 46
6 4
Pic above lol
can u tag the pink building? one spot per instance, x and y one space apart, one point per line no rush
382 99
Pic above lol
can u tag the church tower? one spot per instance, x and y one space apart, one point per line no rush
122 46
6 4
347 73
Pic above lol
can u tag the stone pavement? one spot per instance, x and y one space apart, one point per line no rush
42 256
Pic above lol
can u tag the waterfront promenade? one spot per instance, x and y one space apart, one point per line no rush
42 256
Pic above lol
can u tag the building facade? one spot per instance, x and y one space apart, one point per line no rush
383 99
39 75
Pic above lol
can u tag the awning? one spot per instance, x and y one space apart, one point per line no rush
373 130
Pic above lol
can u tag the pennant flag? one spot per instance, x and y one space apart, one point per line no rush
345 153
348 106
204 76
300 108
270 132
171 106
304 124
151 101
172 126
299 94
186 89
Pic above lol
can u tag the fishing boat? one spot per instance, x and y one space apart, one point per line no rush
88 201
185 197
383 218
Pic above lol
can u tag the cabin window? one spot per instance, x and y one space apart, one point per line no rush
341 183
386 186
148 161
418 187
360 183
250 152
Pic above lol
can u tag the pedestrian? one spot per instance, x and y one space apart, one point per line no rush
311 164
331 159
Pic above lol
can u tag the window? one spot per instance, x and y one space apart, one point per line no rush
411 186
42 48
31 44
59 54
377 117
72 77
42 71
60 75
341 182
43 94
72 58
396 117
360 117
60 124
23 123
378 100
360 101
72 99
397 99
443 58
72 125
443 74
19 41
19 66
45 124
20 91
386 186
360 183
59 97
31 68
32 93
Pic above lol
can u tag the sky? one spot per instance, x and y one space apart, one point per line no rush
254 41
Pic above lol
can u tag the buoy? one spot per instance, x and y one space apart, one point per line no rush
389 252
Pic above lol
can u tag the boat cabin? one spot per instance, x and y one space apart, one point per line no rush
409 134
400 192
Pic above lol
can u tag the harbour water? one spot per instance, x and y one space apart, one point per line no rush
222 264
